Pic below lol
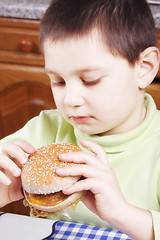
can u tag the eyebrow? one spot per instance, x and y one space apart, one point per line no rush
84 70
49 71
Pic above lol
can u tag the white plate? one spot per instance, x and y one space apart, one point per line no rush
18 227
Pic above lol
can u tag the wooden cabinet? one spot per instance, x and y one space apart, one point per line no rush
154 90
24 87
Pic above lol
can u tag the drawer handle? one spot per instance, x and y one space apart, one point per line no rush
26 45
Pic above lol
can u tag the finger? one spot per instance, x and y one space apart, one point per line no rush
82 185
96 149
80 157
16 151
88 184
79 170
9 165
4 179
89 202
26 147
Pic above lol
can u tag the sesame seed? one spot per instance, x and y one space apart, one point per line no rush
42 164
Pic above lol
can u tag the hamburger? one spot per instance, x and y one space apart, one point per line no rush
42 187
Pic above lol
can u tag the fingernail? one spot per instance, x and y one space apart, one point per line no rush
31 149
7 181
24 160
58 170
61 156
17 172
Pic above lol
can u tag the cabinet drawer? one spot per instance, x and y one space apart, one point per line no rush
13 74
19 40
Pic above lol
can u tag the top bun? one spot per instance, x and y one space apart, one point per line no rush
38 174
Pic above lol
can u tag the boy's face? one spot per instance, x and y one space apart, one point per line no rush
95 91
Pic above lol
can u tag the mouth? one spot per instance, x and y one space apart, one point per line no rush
81 118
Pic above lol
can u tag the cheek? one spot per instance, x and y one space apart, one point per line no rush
58 97
109 102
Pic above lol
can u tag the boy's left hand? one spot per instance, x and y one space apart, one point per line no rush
104 196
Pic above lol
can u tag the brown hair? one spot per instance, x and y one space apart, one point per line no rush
126 26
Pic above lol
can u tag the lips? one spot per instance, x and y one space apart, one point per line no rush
81 118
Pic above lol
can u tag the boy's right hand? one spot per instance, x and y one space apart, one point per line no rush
11 159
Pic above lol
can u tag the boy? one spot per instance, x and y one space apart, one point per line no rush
100 56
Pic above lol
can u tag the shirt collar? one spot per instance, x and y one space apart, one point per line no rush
120 142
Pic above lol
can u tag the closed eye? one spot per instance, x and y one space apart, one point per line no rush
58 84
91 83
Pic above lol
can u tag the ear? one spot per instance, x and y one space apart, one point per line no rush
148 65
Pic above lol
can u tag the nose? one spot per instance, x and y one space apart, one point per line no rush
73 95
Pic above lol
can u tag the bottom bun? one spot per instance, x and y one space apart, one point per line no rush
52 203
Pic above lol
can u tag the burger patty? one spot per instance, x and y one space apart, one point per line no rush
46 200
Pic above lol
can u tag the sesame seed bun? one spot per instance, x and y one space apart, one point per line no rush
42 187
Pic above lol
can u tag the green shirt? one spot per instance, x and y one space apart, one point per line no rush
134 156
